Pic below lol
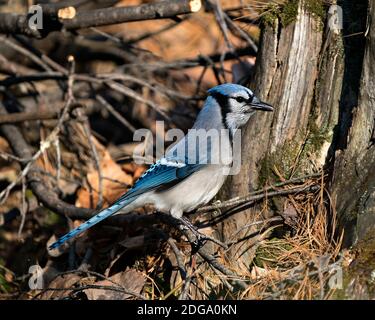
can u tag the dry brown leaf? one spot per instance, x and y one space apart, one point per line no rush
133 242
48 163
8 168
113 182
290 215
130 280
61 282
129 167
4 145
57 251
134 169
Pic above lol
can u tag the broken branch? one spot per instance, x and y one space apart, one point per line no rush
20 24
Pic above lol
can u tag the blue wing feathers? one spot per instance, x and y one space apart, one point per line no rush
156 176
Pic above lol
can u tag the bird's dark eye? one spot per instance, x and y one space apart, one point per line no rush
240 99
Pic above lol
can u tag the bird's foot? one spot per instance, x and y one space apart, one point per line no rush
187 225
200 238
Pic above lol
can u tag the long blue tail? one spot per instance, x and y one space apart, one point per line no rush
112 209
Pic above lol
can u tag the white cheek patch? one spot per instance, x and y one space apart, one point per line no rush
236 106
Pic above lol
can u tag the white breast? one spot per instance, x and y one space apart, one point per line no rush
196 190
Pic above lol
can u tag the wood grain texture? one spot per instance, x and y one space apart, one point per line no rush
287 69
311 75
353 181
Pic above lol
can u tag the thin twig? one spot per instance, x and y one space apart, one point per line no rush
44 144
6 156
242 33
34 58
58 161
85 261
208 257
157 32
95 155
95 286
178 255
219 15
134 95
118 287
185 289
115 113
27 116
23 208
260 194
252 224
192 63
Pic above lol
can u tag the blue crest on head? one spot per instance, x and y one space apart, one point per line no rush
228 89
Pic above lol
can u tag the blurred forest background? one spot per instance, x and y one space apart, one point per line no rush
298 221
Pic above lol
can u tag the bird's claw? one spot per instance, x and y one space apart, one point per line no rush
200 238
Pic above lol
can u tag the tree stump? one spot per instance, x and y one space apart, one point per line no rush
309 72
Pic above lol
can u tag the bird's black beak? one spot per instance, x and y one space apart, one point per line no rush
256 104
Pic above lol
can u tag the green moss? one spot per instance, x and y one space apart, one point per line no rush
282 159
361 270
270 16
293 156
52 218
316 8
267 254
364 265
29 194
287 12
5 286
316 137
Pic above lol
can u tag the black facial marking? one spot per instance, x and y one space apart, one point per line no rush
223 102
250 100
241 99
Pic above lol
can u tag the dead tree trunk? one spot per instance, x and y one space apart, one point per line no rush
310 73
353 180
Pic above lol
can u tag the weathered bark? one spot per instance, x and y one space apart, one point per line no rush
286 72
309 73
353 181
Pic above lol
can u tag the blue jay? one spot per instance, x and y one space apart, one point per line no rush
175 185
